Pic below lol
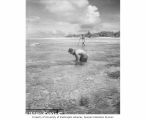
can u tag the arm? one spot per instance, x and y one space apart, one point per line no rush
77 58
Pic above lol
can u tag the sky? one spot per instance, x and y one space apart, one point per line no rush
47 18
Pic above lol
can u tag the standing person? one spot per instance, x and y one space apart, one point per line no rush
80 55
83 39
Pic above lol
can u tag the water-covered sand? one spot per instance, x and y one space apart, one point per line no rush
53 81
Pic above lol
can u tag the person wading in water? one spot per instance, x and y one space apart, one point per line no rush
80 55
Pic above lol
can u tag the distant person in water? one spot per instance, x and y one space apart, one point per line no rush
83 40
80 55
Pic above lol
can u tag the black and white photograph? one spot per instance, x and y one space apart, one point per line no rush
73 56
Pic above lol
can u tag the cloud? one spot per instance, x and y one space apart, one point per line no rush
110 26
65 16
32 19
51 28
72 11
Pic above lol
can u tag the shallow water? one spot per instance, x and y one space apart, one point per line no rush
54 81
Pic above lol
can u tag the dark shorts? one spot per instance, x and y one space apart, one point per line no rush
83 59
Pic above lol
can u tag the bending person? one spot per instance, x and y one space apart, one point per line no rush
80 55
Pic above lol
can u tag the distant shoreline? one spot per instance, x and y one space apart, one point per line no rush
73 38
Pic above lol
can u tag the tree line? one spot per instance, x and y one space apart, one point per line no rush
98 34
